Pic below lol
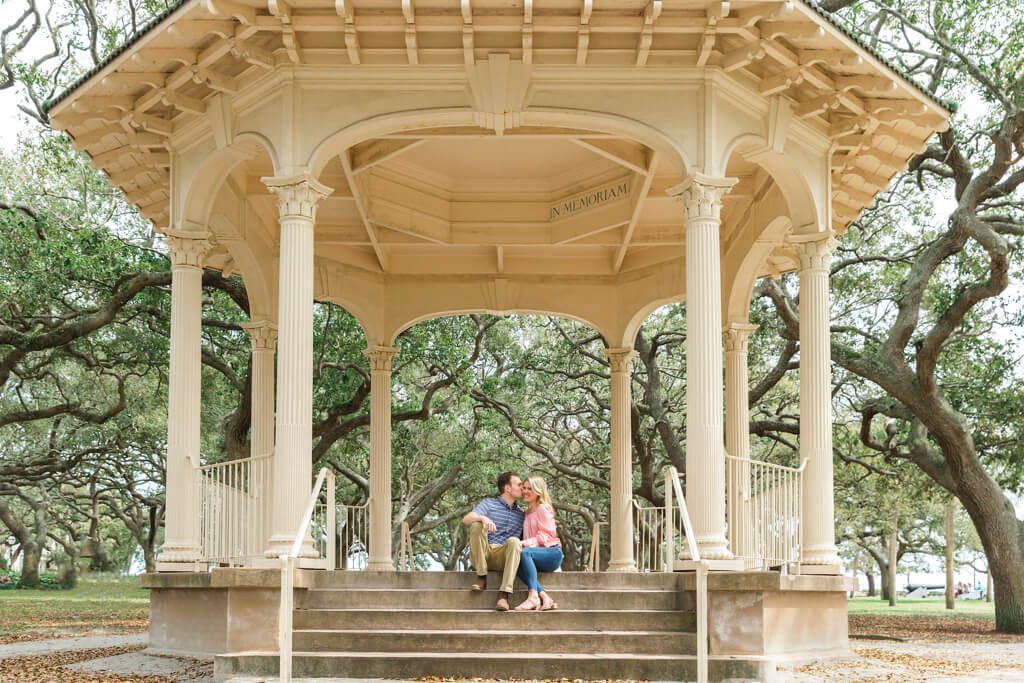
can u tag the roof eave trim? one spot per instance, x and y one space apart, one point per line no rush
56 106
836 31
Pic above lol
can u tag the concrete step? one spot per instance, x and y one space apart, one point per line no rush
507 642
485 620
551 581
462 598
524 665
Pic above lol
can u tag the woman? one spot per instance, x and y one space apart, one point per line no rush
542 551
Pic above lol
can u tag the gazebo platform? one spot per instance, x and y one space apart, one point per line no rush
416 624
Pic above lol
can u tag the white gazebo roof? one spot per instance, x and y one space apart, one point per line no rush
122 112
498 141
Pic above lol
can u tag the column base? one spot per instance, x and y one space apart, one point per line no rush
821 555
375 566
688 565
821 569
279 545
194 567
180 554
622 567
300 563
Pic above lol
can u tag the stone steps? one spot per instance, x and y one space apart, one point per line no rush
462 598
507 642
524 665
462 580
406 625
487 620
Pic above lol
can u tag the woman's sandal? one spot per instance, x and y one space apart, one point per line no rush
546 603
529 604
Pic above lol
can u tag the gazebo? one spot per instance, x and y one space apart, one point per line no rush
409 159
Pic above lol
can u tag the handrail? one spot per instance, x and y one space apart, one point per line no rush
406 559
701 566
284 619
594 559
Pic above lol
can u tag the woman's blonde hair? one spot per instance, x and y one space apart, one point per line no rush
540 486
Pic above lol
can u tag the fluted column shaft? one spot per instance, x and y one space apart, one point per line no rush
264 339
621 518
819 544
701 197
297 199
380 457
182 544
737 431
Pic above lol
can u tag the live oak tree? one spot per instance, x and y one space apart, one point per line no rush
920 277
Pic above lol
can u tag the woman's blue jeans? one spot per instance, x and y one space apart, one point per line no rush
534 560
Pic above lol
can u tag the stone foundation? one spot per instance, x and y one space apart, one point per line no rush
226 610
752 614
766 613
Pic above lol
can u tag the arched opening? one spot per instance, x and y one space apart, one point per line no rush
472 396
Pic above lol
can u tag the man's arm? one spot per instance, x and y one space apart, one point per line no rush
472 517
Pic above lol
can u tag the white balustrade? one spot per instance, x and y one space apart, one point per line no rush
764 513
649 538
234 509
352 535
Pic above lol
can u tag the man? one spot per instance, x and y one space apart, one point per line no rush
495 533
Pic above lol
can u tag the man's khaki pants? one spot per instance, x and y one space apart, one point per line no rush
491 557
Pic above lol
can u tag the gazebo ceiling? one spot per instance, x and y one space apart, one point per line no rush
533 202
125 113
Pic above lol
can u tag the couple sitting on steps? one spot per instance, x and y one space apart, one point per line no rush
504 537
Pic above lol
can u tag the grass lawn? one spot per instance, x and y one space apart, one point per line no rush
922 607
115 603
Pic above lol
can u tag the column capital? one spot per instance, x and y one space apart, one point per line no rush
187 248
297 195
701 195
380 357
736 335
263 333
814 250
621 358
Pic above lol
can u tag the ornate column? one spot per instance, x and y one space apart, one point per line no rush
621 518
261 445
181 548
819 544
297 199
380 457
701 197
737 432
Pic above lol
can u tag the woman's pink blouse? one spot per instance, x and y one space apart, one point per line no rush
539 528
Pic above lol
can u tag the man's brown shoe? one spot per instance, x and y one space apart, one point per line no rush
480 584
503 599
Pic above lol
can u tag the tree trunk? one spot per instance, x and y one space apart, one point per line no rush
1002 536
31 556
871 584
31 540
893 549
988 586
950 589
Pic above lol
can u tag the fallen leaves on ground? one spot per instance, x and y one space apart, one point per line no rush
60 630
876 665
49 668
930 629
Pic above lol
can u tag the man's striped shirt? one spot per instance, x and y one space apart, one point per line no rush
508 519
